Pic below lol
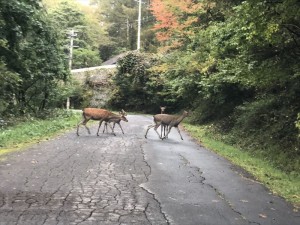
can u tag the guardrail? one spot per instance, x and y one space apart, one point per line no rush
94 68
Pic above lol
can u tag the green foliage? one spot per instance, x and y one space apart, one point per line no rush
107 50
32 129
8 82
85 58
268 121
239 69
30 56
298 124
81 95
67 16
137 88
120 18
34 71
260 53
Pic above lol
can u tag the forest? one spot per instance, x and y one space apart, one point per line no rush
233 63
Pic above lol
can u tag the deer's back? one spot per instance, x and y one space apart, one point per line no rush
95 113
164 118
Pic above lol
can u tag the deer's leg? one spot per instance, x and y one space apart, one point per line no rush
149 127
99 127
83 122
179 132
165 130
155 128
87 128
105 127
169 130
78 128
112 129
79 125
120 127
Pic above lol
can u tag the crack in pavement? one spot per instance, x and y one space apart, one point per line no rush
89 180
196 175
147 190
80 184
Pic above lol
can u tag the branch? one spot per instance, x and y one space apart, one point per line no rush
290 30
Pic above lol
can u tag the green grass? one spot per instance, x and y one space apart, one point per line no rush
279 182
15 138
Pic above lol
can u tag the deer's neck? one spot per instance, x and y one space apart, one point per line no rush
179 119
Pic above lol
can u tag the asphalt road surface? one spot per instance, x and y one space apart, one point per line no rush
127 179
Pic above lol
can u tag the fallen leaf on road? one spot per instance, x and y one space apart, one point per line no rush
262 216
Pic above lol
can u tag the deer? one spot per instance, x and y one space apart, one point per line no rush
98 115
162 109
169 120
115 121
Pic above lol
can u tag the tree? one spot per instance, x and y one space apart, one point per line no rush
30 55
120 18
9 82
85 58
174 20
137 87
66 16
239 62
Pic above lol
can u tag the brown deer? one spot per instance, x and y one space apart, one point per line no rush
169 120
162 109
115 121
99 115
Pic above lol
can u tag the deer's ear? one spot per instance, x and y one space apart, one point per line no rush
123 112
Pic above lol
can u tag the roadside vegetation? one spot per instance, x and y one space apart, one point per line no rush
33 130
256 162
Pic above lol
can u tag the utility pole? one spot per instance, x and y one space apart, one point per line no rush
72 34
139 26
127 32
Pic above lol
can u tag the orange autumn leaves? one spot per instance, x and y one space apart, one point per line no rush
174 19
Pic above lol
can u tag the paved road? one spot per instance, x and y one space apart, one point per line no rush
130 180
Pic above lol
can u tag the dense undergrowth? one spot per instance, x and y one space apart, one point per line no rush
31 130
